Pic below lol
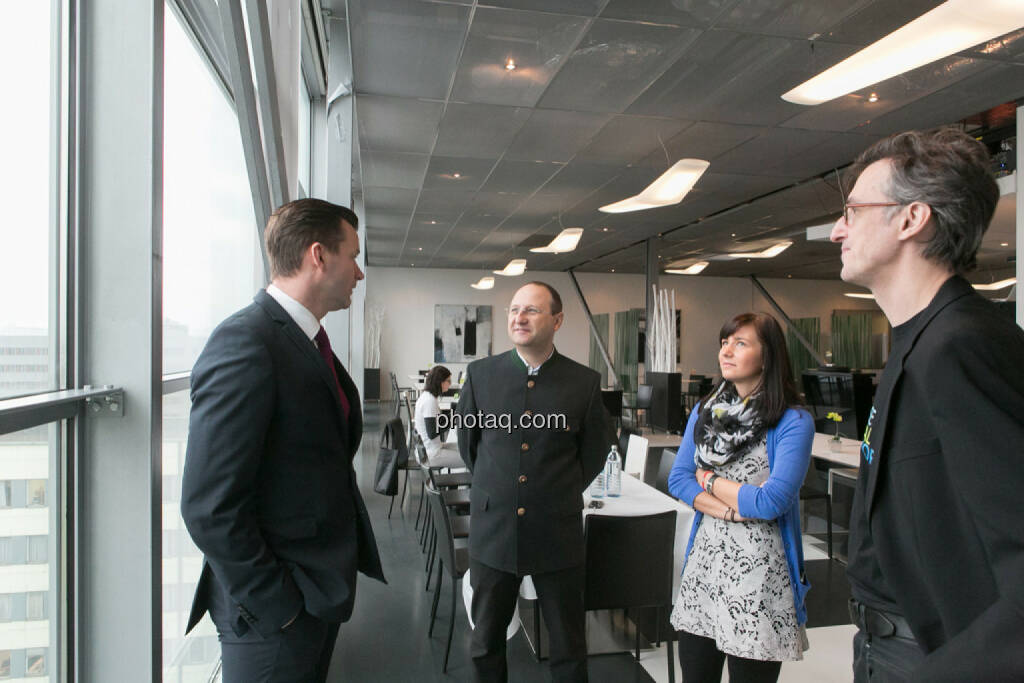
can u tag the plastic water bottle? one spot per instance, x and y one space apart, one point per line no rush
597 486
613 473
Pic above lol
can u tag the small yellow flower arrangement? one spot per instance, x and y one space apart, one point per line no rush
837 418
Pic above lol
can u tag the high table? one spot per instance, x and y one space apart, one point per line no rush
846 454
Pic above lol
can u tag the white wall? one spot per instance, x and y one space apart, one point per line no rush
408 296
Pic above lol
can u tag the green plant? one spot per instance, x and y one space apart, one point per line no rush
837 418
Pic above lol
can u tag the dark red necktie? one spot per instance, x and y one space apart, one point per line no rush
323 344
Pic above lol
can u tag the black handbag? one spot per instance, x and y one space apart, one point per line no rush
393 456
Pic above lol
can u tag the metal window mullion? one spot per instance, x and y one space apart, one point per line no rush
266 99
236 47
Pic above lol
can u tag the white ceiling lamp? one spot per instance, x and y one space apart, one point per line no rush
992 286
566 241
516 266
770 252
483 283
693 269
951 27
670 188
859 295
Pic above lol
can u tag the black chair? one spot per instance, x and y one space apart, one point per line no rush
451 559
668 458
644 392
810 492
629 566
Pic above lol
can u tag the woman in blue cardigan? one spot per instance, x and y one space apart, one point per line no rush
740 466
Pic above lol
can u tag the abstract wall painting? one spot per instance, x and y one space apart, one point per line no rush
462 333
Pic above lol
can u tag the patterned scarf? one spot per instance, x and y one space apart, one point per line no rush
727 427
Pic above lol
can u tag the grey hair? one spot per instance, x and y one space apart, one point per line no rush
950 172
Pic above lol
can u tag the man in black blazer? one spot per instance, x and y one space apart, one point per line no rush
269 493
936 545
528 480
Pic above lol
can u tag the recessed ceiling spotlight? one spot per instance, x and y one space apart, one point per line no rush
510 65
419 248
613 270
873 97
431 222
456 175
606 230
1004 244
734 234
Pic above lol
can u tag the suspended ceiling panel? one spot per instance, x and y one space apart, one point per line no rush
463 159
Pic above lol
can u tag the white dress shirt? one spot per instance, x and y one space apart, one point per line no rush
302 316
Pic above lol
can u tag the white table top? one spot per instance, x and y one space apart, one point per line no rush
848 454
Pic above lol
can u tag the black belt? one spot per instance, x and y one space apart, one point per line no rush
877 623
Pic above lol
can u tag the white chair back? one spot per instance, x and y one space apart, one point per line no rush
636 456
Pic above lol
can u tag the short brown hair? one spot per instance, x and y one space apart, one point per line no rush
949 171
556 300
295 226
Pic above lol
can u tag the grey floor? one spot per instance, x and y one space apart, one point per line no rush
386 639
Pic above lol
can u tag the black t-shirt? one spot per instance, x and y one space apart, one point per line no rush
867 583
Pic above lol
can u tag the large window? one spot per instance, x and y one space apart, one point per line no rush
212 263
29 567
212 267
27 232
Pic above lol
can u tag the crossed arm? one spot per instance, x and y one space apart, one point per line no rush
767 501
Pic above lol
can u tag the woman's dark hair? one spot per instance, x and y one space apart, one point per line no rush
778 391
435 378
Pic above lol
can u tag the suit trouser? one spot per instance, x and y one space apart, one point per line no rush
299 654
560 595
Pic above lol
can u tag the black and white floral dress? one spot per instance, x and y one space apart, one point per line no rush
736 588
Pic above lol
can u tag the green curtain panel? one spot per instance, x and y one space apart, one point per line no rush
627 337
799 357
595 361
851 338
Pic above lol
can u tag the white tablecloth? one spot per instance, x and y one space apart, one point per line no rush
637 499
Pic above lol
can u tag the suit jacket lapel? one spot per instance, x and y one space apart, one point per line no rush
305 346
953 289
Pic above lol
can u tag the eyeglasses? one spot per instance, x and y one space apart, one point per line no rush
858 205
530 311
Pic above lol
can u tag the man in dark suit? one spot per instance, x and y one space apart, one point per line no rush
269 493
528 482
936 547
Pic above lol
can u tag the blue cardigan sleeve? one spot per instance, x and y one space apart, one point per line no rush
681 480
794 435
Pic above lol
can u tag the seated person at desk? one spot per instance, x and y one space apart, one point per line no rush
740 466
427 409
